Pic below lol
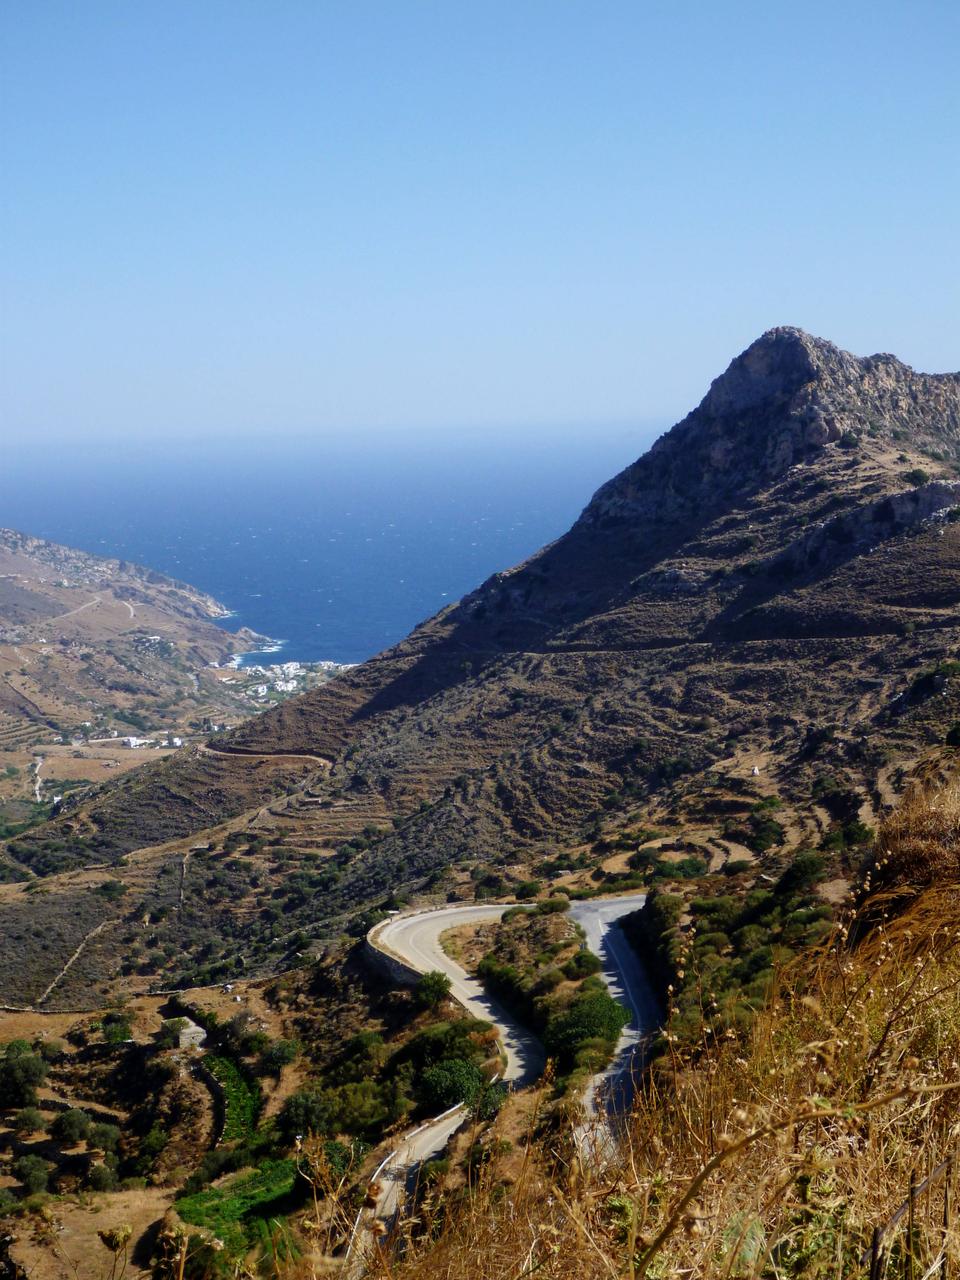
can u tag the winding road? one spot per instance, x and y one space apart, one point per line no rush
415 941
628 982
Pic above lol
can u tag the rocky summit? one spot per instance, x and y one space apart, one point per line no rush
759 614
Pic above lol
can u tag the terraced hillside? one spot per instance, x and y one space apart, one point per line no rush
744 645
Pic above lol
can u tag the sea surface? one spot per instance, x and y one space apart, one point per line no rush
334 548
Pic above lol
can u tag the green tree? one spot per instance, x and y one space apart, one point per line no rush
102 1178
29 1120
307 1111
528 889
432 989
152 1145
33 1172
168 1037
450 1082
21 1071
104 1137
70 1127
805 870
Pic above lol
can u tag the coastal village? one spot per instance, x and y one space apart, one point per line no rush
273 683
105 666
90 748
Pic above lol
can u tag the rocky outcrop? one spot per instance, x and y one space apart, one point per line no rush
868 525
788 397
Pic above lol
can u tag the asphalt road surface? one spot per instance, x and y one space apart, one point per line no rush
611 1093
415 939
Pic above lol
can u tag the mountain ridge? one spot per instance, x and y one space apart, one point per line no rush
800 382
780 566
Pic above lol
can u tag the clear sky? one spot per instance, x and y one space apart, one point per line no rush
231 218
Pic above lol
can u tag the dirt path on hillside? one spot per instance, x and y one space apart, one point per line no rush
183 880
79 609
76 955
265 755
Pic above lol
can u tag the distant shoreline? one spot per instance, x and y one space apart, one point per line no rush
238 660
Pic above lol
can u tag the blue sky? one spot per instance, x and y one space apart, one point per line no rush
230 219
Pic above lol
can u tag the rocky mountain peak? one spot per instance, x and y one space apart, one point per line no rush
778 364
784 400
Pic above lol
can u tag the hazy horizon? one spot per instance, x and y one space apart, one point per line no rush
336 551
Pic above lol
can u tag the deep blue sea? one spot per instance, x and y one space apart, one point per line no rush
335 549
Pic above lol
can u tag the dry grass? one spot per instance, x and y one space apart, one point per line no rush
919 844
771 1157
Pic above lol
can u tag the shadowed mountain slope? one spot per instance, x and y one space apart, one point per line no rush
768 589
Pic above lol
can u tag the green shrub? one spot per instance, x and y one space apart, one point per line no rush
32 1172
433 1170
582 965
21 1071
528 889
513 912
117 1028
71 1127
448 1083
29 1120
593 1015
432 989
443 1040
548 980
112 890
552 906
151 1145
241 1101
689 868
736 866
276 1056
714 941
102 1178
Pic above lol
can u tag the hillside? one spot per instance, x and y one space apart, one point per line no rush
820 1142
741 649
106 665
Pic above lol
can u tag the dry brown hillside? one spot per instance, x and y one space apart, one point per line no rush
745 643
